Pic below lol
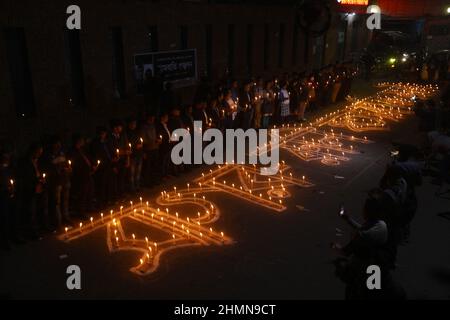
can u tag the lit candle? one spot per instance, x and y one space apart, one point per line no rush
140 200
92 221
81 225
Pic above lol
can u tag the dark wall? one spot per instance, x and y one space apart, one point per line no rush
51 55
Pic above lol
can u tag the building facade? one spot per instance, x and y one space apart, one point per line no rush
56 80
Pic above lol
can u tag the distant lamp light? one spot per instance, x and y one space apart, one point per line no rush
373 9
392 60
448 10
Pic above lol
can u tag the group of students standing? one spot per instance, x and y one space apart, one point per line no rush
52 184
259 103
387 212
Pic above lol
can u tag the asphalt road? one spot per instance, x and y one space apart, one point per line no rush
283 255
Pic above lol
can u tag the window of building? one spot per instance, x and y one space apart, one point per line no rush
249 49
19 69
438 30
281 46
295 34
183 37
231 39
74 64
153 38
266 46
208 47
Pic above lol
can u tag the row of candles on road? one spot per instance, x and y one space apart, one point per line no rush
134 210
130 147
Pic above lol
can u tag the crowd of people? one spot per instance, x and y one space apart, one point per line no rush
391 207
54 183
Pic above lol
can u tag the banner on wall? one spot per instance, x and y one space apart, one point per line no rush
179 67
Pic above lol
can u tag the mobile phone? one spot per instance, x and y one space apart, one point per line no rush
341 210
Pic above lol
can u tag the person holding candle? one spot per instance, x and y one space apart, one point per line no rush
199 113
213 111
82 182
118 141
104 175
151 151
169 99
302 99
137 155
337 83
8 220
284 100
245 107
30 185
234 88
58 170
268 105
229 106
163 132
188 122
258 93
311 92
175 122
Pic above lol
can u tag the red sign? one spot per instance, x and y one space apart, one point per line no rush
355 2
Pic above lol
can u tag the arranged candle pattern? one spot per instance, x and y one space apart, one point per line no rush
321 140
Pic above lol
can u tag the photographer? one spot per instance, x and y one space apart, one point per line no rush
367 247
